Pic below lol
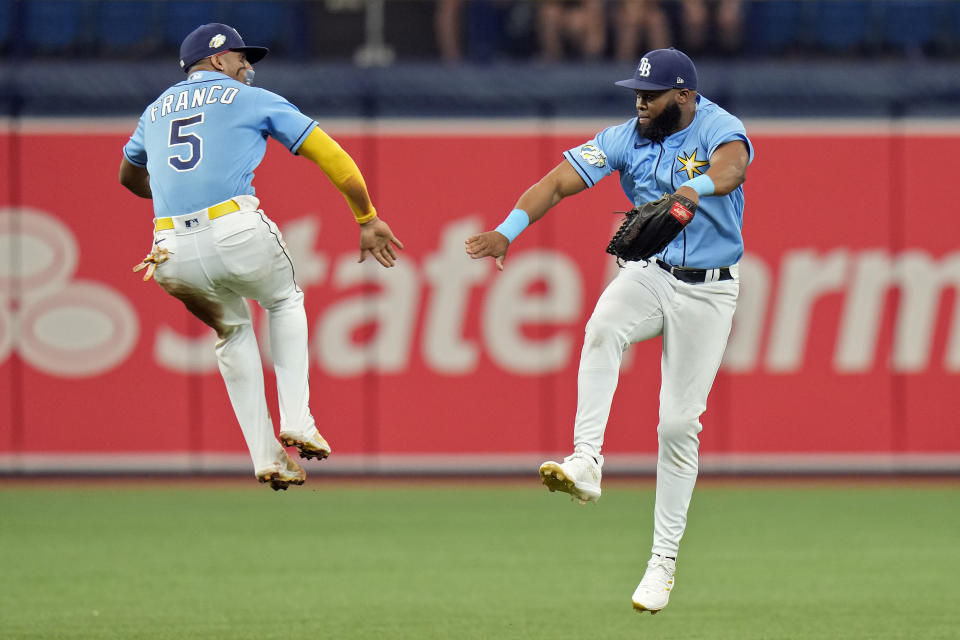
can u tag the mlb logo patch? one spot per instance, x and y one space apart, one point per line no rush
192 222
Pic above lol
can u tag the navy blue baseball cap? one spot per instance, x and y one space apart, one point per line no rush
663 69
210 39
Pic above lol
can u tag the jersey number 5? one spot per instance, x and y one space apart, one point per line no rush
177 137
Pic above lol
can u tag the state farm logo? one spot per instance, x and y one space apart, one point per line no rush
57 324
781 309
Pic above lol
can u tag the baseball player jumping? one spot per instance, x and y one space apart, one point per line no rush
194 152
681 144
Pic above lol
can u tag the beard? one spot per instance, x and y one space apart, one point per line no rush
663 125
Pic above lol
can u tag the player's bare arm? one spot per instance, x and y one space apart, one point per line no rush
135 178
562 181
728 170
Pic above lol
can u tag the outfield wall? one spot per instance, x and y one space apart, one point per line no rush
845 353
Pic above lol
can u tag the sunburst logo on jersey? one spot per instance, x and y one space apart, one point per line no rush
691 165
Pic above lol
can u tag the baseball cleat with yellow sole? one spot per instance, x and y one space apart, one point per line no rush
310 444
283 474
578 474
653 592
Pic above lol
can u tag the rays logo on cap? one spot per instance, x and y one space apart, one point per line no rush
217 41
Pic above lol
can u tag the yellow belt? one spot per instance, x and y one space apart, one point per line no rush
217 210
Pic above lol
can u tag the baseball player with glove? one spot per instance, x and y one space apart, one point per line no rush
194 152
682 162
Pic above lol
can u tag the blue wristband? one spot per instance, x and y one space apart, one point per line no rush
513 224
702 184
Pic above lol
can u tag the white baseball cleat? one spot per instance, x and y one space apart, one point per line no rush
578 474
282 474
310 444
653 592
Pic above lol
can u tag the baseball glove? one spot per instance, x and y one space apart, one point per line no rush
649 228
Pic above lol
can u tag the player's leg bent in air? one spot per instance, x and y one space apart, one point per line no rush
213 270
626 312
693 346
638 306
260 269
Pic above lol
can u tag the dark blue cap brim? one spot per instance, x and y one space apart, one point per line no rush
254 54
633 83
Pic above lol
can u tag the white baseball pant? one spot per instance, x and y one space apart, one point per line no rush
643 302
213 267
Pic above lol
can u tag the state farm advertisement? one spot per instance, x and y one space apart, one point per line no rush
846 338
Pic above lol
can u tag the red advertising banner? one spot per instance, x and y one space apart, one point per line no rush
846 339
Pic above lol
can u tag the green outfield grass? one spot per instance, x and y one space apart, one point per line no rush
400 560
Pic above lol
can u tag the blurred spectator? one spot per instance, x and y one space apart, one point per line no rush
579 25
640 25
711 23
482 33
447 29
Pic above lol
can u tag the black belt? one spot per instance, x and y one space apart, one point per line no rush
696 276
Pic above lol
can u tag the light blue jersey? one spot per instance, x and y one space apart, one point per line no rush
649 169
202 139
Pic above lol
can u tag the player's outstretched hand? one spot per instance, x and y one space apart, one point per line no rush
378 240
488 243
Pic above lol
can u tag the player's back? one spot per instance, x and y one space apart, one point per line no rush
203 141
202 138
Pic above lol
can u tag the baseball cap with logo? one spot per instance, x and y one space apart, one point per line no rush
663 69
211 39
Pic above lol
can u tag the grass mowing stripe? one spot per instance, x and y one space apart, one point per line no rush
445 562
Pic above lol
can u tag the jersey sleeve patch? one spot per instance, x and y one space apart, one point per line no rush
593 155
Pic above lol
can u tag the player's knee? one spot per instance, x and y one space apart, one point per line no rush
678 429
293 301
679 446
233 332
602 333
